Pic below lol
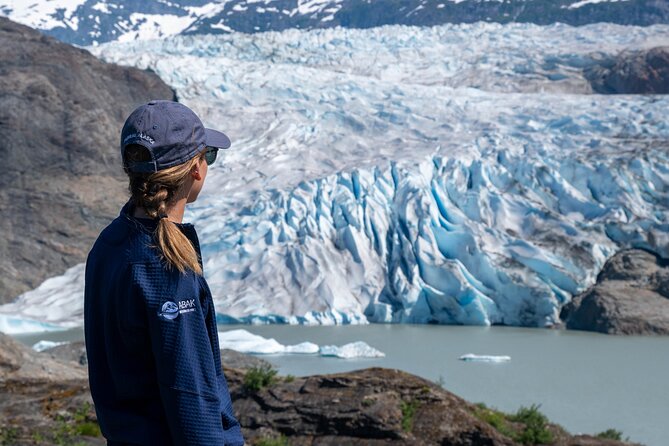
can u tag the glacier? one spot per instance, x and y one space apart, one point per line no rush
460 174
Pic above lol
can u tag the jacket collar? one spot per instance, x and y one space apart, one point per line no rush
148 224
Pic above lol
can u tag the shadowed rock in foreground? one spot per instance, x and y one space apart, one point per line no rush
61 111
45 400
372 406
633 72
631 296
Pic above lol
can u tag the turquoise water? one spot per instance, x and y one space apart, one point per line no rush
586 382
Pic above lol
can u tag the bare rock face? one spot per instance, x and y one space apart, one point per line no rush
634 72
71 351
373 406
39 397
61 112
631 296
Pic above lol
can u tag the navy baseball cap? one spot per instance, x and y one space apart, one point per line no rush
171 132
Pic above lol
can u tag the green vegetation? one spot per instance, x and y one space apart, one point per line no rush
73 425
257 378
289 378
536 426
367 401
495 418
611 434
526 426
273 441
408 414
8 435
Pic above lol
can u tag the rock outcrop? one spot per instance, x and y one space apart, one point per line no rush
631 296
633 72
39 396
373 406
61 111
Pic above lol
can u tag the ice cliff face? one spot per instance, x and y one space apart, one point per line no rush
362 185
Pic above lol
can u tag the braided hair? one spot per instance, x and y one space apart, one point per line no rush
154 192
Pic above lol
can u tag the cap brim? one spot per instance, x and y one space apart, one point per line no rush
217 139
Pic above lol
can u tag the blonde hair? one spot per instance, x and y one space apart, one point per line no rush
153 192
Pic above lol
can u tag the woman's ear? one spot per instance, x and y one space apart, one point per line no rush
195 172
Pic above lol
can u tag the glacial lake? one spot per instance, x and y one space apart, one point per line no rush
584 381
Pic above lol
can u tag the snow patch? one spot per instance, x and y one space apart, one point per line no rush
591 2
41 14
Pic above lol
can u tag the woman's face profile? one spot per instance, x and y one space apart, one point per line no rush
198 174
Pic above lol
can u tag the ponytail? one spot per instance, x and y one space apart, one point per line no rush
153 192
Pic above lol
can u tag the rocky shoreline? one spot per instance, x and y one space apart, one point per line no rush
44 400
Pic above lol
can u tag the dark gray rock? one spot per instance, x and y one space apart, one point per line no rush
632 72
236 360
61 111
71 351
42 400
631 296
373 406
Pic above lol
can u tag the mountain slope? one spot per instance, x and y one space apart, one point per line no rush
61 110
86 22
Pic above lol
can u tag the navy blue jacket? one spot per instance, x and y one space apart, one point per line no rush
153 357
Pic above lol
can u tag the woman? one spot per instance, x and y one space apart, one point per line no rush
153 357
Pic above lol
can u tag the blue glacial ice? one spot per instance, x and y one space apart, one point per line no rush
459 174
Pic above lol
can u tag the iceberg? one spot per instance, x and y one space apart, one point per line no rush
470 357
352 350
43 344
245 342
242 341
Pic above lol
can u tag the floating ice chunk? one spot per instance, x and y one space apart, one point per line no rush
242 341
484 358
357 349
45 345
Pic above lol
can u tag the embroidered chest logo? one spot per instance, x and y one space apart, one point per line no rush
170 310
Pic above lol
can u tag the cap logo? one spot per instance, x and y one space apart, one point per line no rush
140 135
